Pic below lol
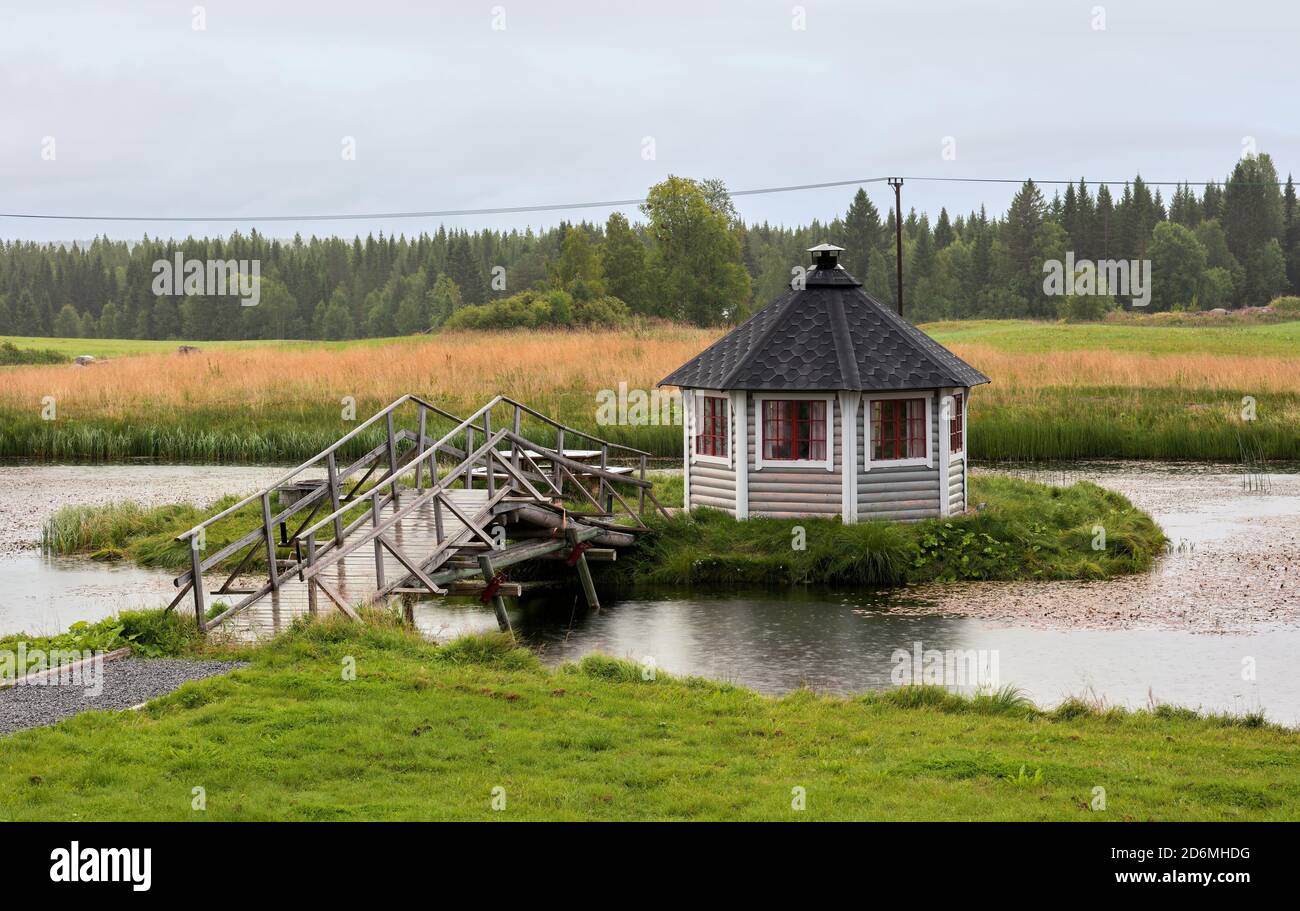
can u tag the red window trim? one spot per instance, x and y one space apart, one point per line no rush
957 423
906 426
783 427
712 427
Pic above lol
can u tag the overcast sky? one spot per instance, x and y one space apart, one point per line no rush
149 115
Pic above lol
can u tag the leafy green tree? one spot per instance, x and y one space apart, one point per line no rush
1265 274
579 261
444 300
336 323
1216 288
1178 263
696 255
67 323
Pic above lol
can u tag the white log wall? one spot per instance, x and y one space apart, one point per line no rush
883 492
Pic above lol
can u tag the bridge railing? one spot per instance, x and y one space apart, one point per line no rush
400 454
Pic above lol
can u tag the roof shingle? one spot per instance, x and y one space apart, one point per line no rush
830 335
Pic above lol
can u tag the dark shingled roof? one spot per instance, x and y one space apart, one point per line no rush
831 335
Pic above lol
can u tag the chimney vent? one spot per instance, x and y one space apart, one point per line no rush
825 256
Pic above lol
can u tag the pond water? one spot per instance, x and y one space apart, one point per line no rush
1222 601
844 643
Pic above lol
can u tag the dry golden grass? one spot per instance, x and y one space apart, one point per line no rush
455 368
1209 372
466 368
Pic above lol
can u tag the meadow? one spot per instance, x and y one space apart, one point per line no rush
429 732
1059 391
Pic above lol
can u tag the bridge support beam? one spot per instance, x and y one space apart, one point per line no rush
498 602
584 572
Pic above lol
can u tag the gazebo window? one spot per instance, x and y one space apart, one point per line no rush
957 424
713 430
794 430
897 429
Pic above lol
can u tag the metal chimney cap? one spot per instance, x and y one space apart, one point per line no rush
825 256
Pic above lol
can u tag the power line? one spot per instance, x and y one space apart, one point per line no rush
443 213
596 204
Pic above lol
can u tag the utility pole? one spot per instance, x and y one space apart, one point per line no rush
897 184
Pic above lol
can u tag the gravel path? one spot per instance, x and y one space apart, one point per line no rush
127 682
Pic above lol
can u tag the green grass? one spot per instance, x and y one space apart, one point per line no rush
1123 423
124 347
1031 337
1026 531
209 435
151 633
427 733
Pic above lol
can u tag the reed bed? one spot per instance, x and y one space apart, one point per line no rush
1049 398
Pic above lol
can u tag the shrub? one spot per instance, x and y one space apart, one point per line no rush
542 309
11 355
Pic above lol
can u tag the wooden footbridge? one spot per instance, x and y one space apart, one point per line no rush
419 515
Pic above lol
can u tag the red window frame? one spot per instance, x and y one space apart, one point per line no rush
794 430
897 429
712 430
957 423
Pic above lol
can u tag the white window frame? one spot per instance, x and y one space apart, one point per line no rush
703 458
867 423
965 407
828 463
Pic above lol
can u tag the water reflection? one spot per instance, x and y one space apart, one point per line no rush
843 643
42 595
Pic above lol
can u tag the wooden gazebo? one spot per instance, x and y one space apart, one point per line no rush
826 402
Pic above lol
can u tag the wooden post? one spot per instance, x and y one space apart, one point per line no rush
469 447
498 603
584 573
196 567
311 583
488 462
379 547
559 450
641 503
604 464
439 534
392 457
270 541
518 423
419 449
332 476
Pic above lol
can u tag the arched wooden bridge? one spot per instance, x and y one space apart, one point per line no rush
420 515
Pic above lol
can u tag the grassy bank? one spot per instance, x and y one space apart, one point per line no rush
1059 391
1025 531
148 633
427 732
